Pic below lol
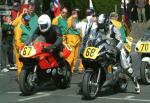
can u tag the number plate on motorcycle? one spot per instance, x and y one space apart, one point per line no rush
28 51
144 47
91 52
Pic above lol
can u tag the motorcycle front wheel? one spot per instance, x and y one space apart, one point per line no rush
26 84
145 72
90 85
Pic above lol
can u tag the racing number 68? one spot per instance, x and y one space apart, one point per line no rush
90 52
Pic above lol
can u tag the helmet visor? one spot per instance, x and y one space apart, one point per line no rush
43 26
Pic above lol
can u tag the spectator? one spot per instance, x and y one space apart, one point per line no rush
88 27
141 10
3 49
50 11
73 39
61 22
7 44
14 11
33 22
31 11
124 3
18 34
149 8
130 9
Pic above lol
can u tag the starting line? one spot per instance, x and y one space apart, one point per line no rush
34 97
124 99
42 94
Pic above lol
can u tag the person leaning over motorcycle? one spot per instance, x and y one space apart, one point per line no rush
117 31
52 36
18 33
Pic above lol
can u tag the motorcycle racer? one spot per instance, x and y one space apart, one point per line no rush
52 36
116 31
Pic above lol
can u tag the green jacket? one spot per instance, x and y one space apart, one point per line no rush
6 26
33 24
25 33
62 25
29 31
71 29
121 27
123 33
74 31
7 32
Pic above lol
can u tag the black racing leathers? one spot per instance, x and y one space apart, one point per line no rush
53 37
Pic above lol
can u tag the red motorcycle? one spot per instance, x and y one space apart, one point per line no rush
39 67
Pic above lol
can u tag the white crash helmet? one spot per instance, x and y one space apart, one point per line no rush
44 23
101 19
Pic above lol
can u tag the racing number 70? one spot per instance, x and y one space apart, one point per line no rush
90 52
144 47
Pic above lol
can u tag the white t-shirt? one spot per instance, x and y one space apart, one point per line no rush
122 3
84 26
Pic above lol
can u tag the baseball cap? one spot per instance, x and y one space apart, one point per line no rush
26 17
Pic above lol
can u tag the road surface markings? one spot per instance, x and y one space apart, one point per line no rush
34 97
13 92
128 97
20 92
139 100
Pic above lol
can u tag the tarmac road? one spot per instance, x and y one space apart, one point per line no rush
10 93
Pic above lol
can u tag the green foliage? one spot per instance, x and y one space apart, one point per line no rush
101 6
106 6
71 4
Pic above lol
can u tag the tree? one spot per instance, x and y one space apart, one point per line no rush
101 6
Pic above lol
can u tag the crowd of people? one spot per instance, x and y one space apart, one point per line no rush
137 10
19 27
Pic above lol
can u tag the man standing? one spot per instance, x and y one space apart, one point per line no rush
33 22
141 10
19 33
61 22
9 32
149 8
73 39
88 27
124 6
7 45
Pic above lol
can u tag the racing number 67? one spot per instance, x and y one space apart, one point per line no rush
27 50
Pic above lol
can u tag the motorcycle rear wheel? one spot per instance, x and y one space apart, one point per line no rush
64 81
121 85
26 85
